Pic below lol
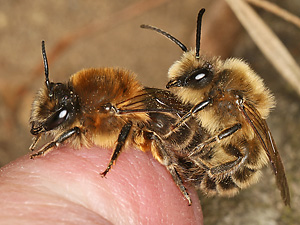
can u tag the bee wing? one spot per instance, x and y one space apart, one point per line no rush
163 99
153 100
262 131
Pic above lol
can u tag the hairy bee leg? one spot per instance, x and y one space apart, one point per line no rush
224 169
227 168
200 106
223 134
120 143
163 157
64 136
35 140
177 179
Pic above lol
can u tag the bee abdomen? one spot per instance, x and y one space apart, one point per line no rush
245 176
223 187
229 185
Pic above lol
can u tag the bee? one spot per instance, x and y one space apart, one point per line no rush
108 107
231 104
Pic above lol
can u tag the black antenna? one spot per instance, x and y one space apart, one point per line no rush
46 68
167 35
198 32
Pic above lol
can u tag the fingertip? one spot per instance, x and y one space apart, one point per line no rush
137 188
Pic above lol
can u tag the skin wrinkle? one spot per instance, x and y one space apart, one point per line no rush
44 192
68 189
62 208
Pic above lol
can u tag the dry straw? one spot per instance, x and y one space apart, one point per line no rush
265 38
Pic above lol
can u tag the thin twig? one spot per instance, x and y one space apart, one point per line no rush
271 7
267 42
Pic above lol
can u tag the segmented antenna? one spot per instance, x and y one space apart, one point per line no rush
46 68
167 35
198 32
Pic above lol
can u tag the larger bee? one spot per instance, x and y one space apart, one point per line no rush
108 107
230 103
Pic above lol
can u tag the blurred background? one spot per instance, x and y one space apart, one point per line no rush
83 34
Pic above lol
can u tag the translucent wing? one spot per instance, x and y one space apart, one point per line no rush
262 131
153 100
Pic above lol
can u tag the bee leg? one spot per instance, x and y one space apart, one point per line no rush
177 179
164 158
35 140
229 167
48 147
120 143
200 106
223 134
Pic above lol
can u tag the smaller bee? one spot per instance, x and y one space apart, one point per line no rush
108 107
88 110
230 103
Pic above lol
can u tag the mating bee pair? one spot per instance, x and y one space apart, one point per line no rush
209 132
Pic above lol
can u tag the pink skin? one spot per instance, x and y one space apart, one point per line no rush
64 187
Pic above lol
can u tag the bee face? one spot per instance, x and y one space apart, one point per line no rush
190 73
230 103
53 108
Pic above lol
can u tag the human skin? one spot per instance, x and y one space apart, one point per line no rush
64 187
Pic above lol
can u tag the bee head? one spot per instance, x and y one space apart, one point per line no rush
192 71
55 105
192 74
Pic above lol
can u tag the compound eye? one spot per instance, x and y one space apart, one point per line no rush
56 119
62 114
199 78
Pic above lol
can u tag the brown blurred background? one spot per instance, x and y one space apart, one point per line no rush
83 34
